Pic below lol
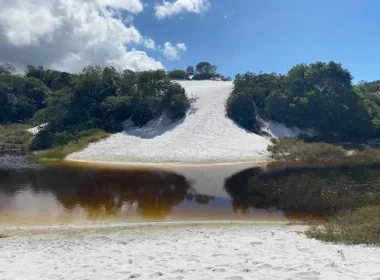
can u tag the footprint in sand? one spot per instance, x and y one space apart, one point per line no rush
123 272
265 265
156 275
178 271
219 270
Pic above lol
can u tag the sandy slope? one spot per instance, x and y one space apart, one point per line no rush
204 136
187 251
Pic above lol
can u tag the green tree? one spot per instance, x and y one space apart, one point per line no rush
21 97
103 98
190 71
7 69
258 86
205 70
177 74
242 109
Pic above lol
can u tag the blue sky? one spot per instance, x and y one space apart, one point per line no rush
272 35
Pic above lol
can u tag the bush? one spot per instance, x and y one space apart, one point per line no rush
288 149
117 109
70 143
14 138
359 227
143 112
175 102
177 74
242 109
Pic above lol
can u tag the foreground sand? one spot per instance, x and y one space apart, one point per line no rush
179 251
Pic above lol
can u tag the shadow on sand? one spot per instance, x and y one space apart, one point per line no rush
154 128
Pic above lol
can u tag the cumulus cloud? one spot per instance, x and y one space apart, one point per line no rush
134 6
168 9
70 34
171 51
149 44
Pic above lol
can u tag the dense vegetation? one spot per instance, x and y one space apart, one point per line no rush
358 227
297 150
79 105
177 75
20 97
203 71
318 95
14 139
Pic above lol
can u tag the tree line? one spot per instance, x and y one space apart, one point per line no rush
202 71
96 98
317 95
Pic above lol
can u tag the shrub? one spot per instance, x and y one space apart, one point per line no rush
143 112
117 109
78 142
175 102
358 227
288 149
242 109
14 138
177 74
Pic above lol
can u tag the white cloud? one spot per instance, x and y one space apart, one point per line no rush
167 9
134 6
172 52
149 44
70 34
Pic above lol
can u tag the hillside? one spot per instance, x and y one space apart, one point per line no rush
206 135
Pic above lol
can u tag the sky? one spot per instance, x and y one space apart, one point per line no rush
237 36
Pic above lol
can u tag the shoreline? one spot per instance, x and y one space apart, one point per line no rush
259 162
144 224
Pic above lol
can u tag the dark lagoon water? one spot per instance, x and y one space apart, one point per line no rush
77 193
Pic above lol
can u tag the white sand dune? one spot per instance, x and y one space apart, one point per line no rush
197 251
279 130
204 136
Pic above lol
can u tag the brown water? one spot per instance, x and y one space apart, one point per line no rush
80 193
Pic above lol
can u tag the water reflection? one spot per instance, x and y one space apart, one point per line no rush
66 193
102 193
316 190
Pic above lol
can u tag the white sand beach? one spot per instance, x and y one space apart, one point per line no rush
211 250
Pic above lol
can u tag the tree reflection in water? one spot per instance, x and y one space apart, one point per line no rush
102 193
108 192
317 190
